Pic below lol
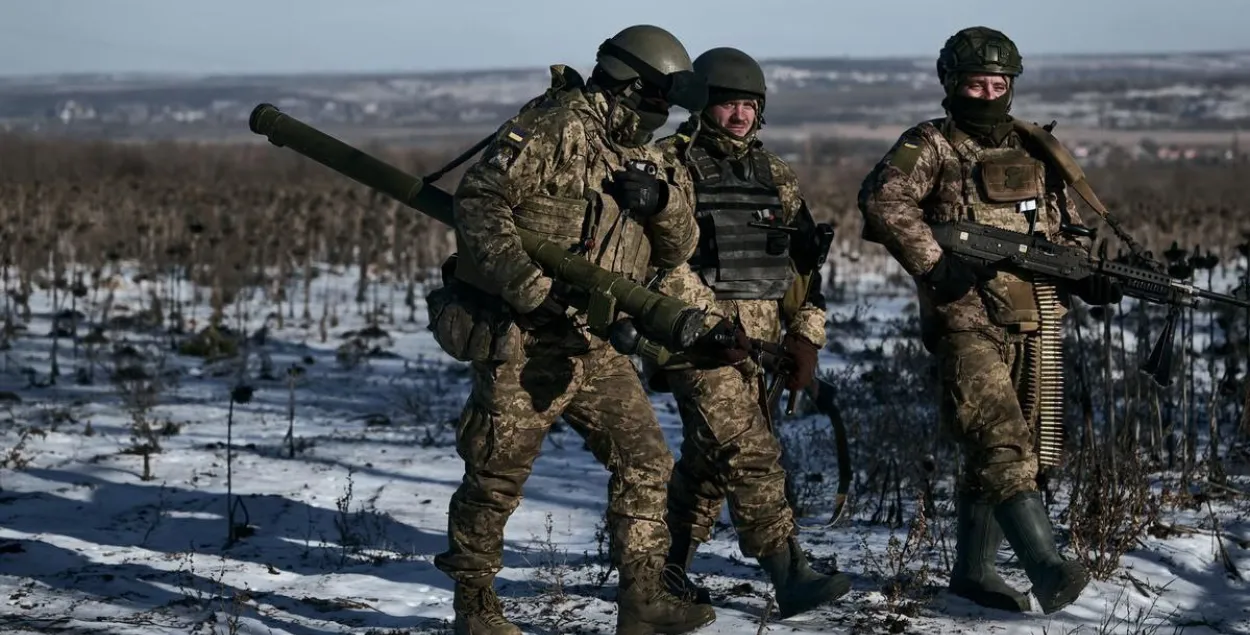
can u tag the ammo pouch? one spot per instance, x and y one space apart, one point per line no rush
1011 303
1011 179
466 323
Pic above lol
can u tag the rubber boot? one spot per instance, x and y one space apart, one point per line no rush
479 612
975 576
676 570
645 607
798 588
1056 582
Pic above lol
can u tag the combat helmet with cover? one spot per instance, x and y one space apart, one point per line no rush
977 49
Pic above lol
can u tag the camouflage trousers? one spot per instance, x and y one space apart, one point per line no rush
502 428
982 392
728 450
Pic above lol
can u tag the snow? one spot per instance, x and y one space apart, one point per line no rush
340 537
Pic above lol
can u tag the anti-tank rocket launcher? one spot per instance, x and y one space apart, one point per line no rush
668 320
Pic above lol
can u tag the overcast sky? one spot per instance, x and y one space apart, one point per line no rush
261 36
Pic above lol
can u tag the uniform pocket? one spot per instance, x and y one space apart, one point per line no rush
558 218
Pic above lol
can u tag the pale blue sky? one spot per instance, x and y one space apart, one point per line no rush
261 36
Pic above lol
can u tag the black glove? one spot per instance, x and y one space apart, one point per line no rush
551 310
642 194
726 344
778 242
803 356
1097 290
953 277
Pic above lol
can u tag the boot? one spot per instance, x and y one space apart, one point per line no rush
1056 582
974 576
800 589
479 612
677 569
645 607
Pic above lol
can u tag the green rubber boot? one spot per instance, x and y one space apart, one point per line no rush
1056 582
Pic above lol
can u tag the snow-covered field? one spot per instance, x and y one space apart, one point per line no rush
336 526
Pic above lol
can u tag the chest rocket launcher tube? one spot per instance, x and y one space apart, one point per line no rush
672 321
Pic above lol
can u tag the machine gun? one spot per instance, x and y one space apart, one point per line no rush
668 320
1140 278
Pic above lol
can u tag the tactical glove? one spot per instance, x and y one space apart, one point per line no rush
1097 289
726 344
642 194
553 308
953 277
802 355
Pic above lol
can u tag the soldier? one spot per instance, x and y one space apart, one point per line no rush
743 272
567 166
984 328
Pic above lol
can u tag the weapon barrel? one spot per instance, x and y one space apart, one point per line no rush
676 323
1223 298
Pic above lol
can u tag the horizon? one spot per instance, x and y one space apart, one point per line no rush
511 69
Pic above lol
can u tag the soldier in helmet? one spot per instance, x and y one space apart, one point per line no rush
984 327
748 274
576 166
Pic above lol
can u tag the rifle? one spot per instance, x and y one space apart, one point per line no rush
1139 278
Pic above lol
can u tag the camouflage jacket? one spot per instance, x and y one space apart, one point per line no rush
762 319
548 170
933 174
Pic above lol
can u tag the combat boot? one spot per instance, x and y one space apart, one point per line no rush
975 576
1056 582
645 607
800 589
479 612
677 569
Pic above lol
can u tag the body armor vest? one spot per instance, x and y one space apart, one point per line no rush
733 258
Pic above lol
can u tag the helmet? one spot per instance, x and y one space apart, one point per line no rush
649 45
654 56
730 70
978 49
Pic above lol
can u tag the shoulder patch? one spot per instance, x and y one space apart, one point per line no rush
507 146
906 154
517 135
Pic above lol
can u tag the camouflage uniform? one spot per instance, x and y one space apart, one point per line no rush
748 274
974 165
728 446
547 171
927 177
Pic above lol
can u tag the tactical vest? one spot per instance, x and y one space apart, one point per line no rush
1004 187
732 257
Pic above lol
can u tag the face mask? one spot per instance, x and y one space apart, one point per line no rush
981 117
650 120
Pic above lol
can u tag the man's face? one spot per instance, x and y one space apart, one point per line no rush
737 116
984 86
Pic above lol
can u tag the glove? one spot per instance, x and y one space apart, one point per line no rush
802 355
1097 290
953 277
642 194
550 311
726 344
778 242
